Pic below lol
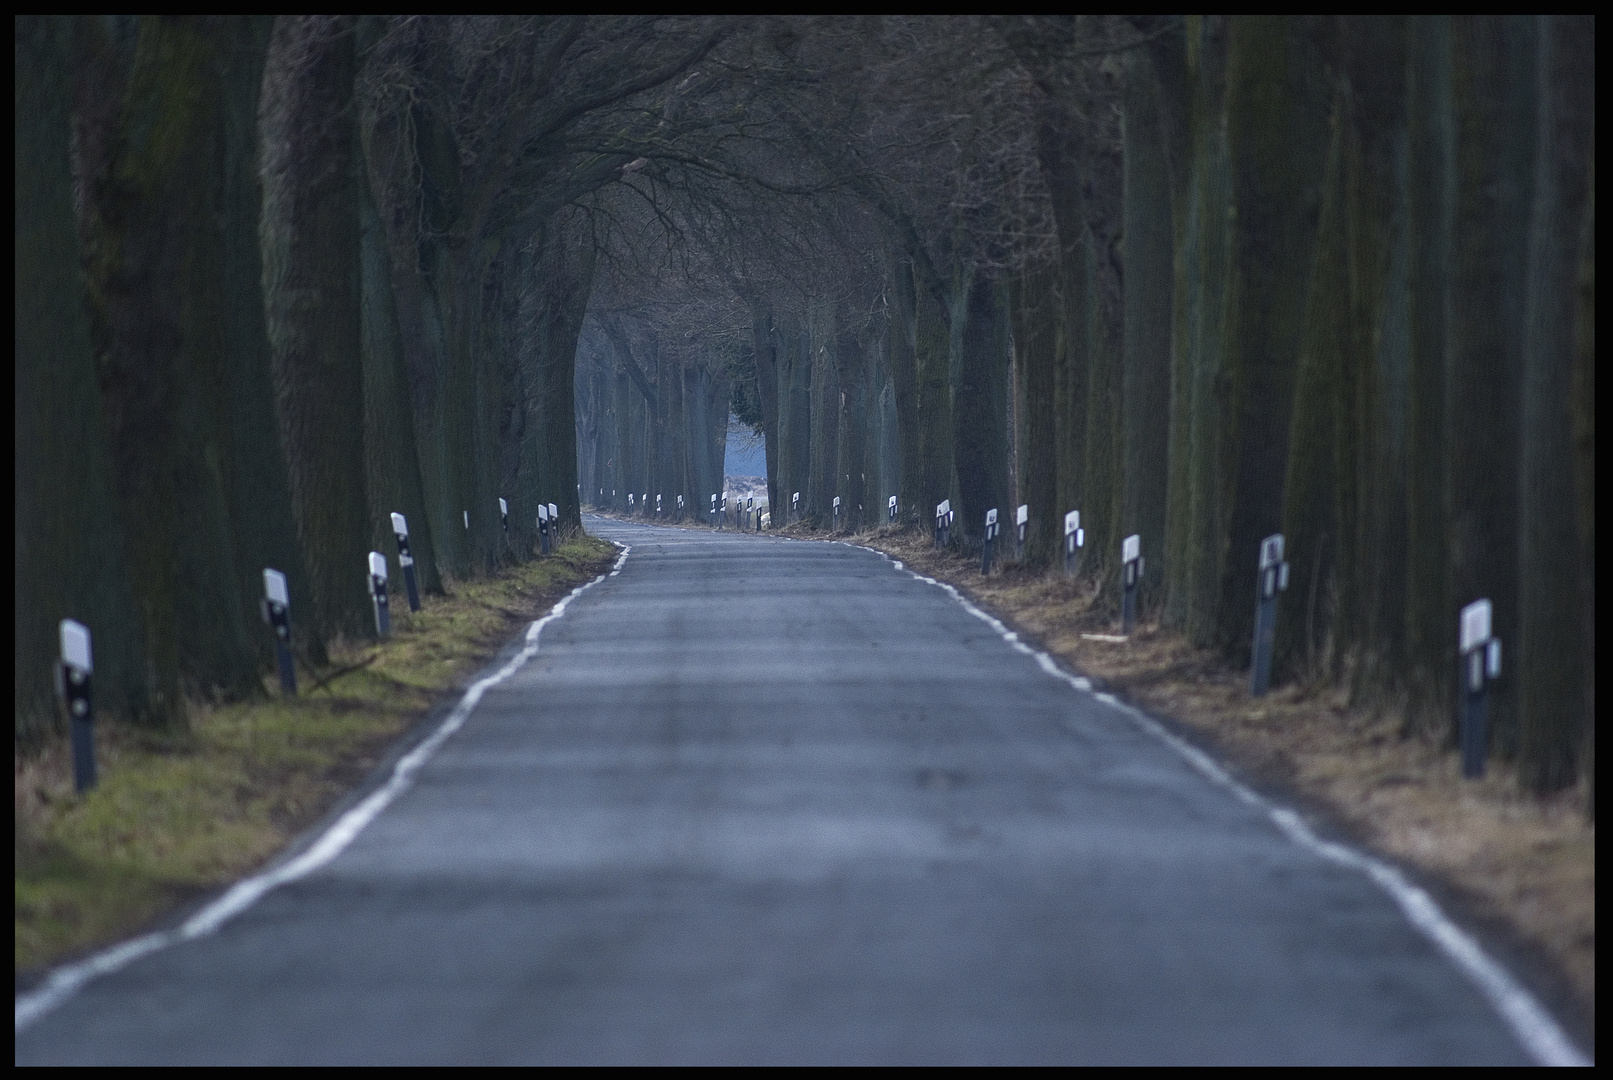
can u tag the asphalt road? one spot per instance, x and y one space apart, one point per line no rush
759 800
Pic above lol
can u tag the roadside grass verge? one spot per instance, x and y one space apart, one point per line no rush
1513 861
177 816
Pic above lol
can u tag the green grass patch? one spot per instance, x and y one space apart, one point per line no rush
178 816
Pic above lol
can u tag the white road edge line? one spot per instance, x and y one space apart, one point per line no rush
1535 1028
64 981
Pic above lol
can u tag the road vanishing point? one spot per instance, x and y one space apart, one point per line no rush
757 800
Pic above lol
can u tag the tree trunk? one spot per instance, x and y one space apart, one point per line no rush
795 412
256 482
1493 93
1276 102
570 280
1035 343
1371 567
157 264
1430 632
69 560
311 293
931 347
392 466
1310 491
1550 716
851 373
1147 306
980 409
767 389
904 384
1071 319
821 485
1208 272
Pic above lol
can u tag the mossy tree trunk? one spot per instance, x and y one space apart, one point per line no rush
931 350
256 481
1276 102
1105 430
158 263
1551 720
1146 376
311 279
822 484
568 278
1310 490
1430 632
851 372
1583 398
1371 566
795 411
1493 93
392 461
980 409
903 361
1207 273
1071 318
68 556
1036 323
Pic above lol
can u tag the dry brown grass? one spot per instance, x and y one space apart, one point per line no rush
1522 866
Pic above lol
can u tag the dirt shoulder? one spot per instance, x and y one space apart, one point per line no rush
1522 870
176 817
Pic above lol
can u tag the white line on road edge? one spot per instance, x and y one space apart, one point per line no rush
1541 1036
64 981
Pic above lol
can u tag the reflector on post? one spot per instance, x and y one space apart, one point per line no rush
1131 556
73 683
277 613
400 529
378 596
1273 578
1481 665
76 646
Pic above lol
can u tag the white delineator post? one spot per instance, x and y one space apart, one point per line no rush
837 513
543 528
1131 556
400 529
795 507
378 597
1021 522
943 523
504 516
891 506
1074 537
1481 665
277 613
1273 579
991 534
73 684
